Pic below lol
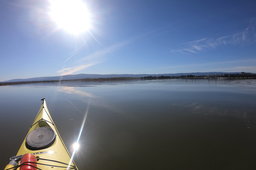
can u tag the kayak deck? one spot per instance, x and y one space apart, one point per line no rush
50 155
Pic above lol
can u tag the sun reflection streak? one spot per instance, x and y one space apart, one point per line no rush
79 136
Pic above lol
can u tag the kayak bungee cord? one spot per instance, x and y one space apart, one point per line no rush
25 163
50 160
29 164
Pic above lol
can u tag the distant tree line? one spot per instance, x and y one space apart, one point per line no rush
242 75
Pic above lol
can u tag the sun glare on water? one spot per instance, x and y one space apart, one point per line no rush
75 146
72 16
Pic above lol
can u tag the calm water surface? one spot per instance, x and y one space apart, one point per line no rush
151 125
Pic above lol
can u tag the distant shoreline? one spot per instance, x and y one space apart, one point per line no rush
237 76
72 80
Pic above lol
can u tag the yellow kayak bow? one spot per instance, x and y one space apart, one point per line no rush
43 147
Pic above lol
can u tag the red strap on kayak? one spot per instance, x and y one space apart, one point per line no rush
28 162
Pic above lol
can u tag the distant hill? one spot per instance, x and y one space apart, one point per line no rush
126 77
98 76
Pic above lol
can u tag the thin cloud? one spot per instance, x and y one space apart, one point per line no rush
92 59
98 56
193 47
71 70
102 53
110 49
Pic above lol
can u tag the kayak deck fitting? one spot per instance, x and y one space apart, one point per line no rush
43 142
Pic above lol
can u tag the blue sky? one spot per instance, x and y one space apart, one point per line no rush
135 36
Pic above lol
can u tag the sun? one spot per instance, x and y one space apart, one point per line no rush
71 16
